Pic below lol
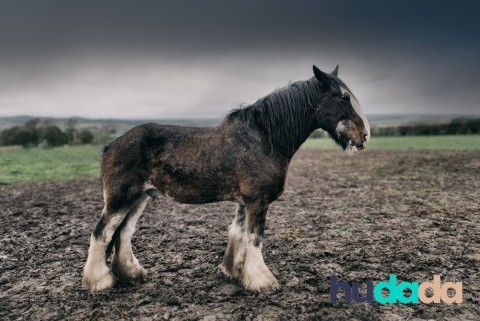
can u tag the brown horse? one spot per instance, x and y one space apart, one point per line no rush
244 160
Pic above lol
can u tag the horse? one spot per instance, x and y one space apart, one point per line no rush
243 159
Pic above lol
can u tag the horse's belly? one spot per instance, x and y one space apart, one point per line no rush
195 182
194 197
195 194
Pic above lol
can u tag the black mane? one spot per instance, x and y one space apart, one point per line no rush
283 115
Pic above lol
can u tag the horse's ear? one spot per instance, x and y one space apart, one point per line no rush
321 76
335 71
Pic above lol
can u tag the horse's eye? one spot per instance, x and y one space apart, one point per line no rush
346 96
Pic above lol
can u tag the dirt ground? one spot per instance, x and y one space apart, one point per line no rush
413 214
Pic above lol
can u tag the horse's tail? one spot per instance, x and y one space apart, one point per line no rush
105 148
103 152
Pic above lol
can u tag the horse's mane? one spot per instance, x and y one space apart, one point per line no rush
282 115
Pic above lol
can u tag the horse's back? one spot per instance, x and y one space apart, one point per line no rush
142 139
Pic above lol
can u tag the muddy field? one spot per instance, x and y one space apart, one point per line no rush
413 214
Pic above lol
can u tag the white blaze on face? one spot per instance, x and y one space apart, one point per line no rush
358 111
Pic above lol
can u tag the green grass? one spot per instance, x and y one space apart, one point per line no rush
453 143
40 164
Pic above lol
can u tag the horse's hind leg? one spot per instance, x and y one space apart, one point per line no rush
96 274
119 197
125 265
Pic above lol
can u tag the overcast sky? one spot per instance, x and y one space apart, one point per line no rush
164 59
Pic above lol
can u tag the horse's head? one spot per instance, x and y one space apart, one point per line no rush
340 114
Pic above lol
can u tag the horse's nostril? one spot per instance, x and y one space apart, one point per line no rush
365 136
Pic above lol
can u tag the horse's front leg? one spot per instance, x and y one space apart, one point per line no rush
255 274
243 259
235 254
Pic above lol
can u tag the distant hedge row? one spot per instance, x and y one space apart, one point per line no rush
455 127
32 134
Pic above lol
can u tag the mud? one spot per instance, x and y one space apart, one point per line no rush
413 214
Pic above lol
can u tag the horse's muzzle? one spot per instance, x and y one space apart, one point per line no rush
361 143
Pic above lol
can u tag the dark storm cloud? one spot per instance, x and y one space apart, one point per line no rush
48 26
398 56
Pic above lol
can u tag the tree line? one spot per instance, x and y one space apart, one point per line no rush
33 133
458 126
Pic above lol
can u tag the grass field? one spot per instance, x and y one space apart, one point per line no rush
40 164
65 163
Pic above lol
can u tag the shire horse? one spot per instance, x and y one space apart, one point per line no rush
244 159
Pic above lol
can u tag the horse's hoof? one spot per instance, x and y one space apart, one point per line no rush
262 286
262 283
131 273
98 283
139 274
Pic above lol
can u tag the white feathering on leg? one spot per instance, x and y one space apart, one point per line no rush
256 275
96 274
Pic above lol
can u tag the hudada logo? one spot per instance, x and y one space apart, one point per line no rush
395 292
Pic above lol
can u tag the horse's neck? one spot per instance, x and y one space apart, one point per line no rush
286 118
298 138
292 133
